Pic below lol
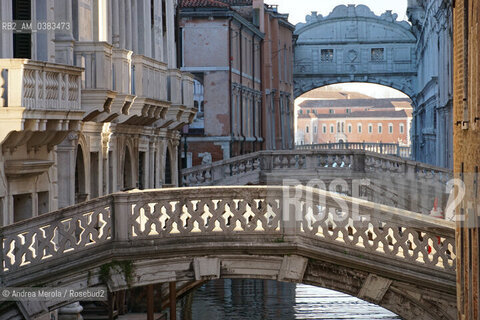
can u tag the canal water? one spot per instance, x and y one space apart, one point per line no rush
271 300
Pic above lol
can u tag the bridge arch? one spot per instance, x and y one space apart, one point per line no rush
352 44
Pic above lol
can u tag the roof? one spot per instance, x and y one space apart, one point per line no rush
203 4
321 93
358 114
366 103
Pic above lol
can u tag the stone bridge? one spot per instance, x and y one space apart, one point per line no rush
352 44
379 178
394 258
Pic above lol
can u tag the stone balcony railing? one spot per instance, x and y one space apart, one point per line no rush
35 97
35 85
150 78
393 149
393 180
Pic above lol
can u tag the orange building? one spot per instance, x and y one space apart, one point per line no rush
337 116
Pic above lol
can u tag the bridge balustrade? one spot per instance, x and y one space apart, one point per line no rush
393 149
355 228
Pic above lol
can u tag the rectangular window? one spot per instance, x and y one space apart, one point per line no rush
141 170
326 55
348 110
378 54
94 172
22 207
401 128
315 129
306 129
331 111
22 42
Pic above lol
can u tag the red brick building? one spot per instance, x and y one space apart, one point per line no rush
337 116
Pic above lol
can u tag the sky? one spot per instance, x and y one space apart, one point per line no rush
298 9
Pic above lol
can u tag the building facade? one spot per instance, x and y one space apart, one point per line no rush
336 116
90 108
432 133
232 47
466 128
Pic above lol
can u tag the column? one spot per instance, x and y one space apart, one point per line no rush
64 39
66 185
121 11
135 29
128 27
171 48
115 23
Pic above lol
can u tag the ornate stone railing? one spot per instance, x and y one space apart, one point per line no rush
150 78
319 159
394 149
391 180
36 85
355 228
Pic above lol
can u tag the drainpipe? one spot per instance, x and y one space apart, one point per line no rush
242 143
254 96
230 81
262 91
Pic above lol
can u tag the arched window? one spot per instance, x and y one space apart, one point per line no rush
332 128
80 192
390 128
370 128
168 168
349 128
359 128
379 128
324 128
127 170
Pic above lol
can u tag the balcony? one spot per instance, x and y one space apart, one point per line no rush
149 85
97 81
38 97
180 94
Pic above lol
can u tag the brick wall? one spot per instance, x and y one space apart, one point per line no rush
467 152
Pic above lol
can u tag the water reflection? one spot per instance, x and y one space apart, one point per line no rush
264 300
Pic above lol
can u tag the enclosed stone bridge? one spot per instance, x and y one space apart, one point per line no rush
352 44
397 259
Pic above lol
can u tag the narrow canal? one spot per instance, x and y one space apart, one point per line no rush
265 300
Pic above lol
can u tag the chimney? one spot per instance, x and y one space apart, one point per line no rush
259 14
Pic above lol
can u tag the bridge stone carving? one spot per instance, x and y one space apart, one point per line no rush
397 259
352 44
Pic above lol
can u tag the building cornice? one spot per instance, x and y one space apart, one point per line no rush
216 13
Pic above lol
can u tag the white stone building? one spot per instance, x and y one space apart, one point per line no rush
432 131
90 108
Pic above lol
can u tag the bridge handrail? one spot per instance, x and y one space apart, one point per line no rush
357 160
230 212
380 147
